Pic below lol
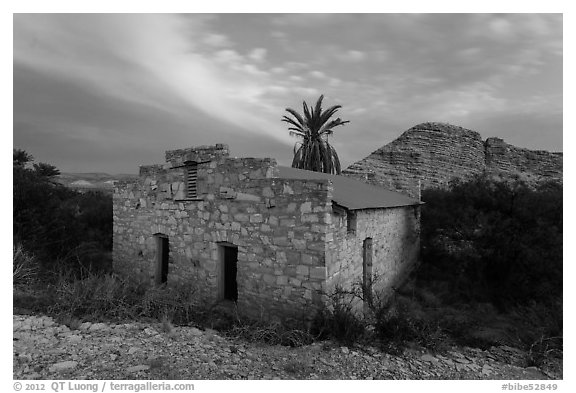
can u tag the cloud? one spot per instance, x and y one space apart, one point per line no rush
306 91
228 56
352 56
318 74
216 40
389 72
500 27
142 57
257 54
309 21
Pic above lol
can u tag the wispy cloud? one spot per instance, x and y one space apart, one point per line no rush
388 71
352 56
116 53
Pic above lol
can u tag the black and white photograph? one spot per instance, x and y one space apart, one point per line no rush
226 196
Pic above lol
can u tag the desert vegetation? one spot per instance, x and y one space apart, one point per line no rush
55 228
490 275
313 152
491 272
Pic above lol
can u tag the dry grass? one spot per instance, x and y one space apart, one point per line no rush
271 333
24 266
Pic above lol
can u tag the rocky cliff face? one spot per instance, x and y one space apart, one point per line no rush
432 154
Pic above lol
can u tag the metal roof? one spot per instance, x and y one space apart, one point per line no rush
351 193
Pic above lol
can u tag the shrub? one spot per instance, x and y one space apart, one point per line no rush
404 322
339 320
63 228
24 266
105 297
494 241
271 333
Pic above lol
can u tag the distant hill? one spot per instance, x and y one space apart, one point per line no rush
96 181
435 153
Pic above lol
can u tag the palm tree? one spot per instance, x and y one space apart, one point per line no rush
314 153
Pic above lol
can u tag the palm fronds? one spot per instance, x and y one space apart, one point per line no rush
314 153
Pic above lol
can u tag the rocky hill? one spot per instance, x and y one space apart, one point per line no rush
432 154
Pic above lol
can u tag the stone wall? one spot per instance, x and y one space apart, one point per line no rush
279 226
395 234
430 155
197 154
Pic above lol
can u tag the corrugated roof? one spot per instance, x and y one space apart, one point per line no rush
351 193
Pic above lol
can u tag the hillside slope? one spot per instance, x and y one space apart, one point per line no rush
435 153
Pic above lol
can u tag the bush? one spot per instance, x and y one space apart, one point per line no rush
271 333
96 297
24 266
404 322
494 241
63 228
109 297
338 320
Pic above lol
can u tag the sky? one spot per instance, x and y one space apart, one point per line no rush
110 92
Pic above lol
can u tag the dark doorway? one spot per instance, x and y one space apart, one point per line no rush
367 271
230 267
162 255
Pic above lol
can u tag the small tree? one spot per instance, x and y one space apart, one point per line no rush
314 153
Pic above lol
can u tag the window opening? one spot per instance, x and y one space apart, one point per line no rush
191 180
351 222
162 257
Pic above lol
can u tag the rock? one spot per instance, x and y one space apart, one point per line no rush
195 332
74 339
97 327
133 350
134 353
45 322
428 358
84 326
327 363
138 368
150 331
435 153
62 366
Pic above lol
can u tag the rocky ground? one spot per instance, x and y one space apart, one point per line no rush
44 349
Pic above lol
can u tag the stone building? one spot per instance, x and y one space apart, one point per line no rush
273 239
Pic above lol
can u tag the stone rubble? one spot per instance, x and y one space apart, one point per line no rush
43 349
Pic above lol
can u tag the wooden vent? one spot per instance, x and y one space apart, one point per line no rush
191 178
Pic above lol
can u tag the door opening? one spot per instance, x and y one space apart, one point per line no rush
230 269
162 255
367 271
